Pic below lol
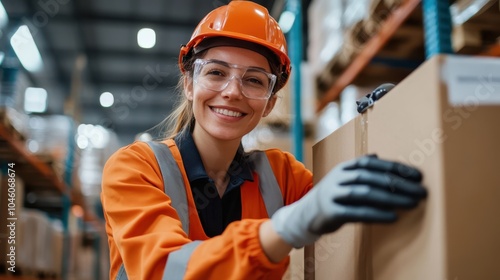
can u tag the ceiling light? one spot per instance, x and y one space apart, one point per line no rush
4 19
99 137
33 146
82 142
145 137
286 21
107 99
35 100
25 48
146 38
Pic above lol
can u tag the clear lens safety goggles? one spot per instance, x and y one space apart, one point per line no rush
215 75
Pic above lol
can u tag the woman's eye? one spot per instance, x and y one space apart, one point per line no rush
215 72
254 81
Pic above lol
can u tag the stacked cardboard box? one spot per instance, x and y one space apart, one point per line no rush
443 120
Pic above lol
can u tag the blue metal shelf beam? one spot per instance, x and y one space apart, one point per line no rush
295 51
437 27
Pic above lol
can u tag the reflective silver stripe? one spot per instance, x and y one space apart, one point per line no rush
122 274
269 188
176 264
177 261
268 185
173 182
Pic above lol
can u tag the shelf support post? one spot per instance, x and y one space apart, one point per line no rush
437 27
295 52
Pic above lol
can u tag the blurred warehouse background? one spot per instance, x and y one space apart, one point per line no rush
81 78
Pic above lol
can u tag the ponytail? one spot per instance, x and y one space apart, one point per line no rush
181 117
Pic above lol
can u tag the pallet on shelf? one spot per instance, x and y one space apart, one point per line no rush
473 38
477 33
5 120
332 81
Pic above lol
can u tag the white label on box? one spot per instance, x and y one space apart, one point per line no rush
472 81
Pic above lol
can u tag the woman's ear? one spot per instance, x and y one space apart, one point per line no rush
188 87
270 105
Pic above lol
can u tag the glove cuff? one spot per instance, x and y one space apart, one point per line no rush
290 227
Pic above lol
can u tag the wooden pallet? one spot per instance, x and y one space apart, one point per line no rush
479 33
471 38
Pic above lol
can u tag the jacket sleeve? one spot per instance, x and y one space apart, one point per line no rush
145 229
294 178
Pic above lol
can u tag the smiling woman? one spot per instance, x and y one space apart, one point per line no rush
226 108
196 205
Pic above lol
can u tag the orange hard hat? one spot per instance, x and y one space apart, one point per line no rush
244 22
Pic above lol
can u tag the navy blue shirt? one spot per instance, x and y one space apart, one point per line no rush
215 212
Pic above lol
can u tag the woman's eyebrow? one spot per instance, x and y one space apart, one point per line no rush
229 65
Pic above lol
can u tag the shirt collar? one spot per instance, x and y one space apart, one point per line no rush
239 170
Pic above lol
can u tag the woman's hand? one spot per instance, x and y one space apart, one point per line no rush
366 189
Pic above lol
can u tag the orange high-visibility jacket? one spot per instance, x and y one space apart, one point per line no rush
143 228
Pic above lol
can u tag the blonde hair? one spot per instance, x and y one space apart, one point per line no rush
181 116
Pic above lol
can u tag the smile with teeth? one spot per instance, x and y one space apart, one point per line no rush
226 112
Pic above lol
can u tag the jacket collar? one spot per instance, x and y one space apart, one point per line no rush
239 169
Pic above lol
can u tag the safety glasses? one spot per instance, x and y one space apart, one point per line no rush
215 75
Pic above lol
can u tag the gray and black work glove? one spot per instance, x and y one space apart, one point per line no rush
367 189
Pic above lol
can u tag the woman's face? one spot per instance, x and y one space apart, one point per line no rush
228 114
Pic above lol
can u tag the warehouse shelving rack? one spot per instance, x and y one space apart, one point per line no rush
38 175
437 30
35 172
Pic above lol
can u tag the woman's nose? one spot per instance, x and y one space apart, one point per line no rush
233 88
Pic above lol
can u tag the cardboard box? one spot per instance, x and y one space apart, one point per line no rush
443 119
